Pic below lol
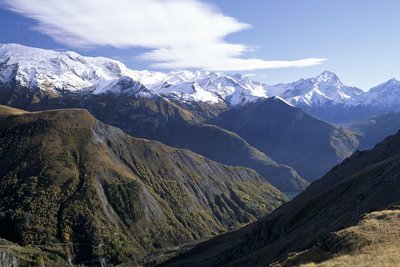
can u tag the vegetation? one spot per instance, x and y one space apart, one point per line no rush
373 241
75 190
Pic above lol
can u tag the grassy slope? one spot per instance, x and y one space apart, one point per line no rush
373 241
345 199
83 190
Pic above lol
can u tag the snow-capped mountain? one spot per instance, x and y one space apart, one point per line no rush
209 87
327 98
35 68
325 88
384 95
60 72
123 85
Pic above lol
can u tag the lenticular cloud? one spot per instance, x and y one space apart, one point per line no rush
178 33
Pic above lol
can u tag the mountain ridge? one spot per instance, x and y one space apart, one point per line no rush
289 135
72 72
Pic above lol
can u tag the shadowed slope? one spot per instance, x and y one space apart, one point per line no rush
162 120
290 136
374 130
328 217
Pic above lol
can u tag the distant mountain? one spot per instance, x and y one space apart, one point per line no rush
327 98
325 89
67 72
80 190
57 72
290 136
374 130
348 217
324 96
209 87
386 96
60 73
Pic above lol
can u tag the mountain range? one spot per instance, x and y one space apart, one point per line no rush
324 96
101 164
217 115
184 109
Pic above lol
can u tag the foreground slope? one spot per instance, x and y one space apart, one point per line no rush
81 190
290 136
373 241
343 217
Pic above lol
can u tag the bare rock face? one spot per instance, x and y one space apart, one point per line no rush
8 260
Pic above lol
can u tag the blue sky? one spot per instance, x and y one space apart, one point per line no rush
276 40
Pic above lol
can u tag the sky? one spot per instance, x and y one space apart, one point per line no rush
274 41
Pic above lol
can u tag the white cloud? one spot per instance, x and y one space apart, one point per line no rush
179 33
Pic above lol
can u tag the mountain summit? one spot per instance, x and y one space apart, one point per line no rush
49 70
326 88
386 94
